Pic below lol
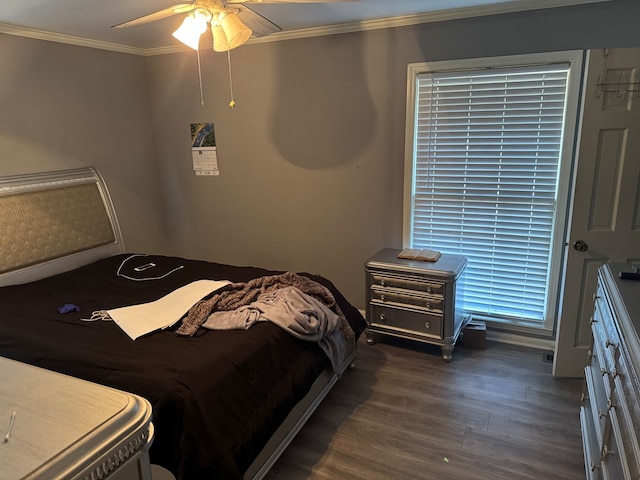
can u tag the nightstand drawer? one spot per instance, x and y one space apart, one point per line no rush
406 321
434 288
405 297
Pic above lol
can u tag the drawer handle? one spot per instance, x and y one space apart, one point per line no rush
606 451
382 283
604 372
590 355
611 405
594 467
608 343
592 320
583 397
601 414
383 317
383 298
427 325
595 297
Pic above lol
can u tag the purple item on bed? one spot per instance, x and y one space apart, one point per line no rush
68 307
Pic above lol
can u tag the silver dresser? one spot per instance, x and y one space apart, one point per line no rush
415 299
610 409
60 427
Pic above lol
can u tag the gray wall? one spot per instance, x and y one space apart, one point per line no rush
311 159
64 107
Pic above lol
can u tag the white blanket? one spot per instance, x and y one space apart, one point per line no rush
138 320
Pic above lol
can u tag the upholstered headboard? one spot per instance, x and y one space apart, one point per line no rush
53 222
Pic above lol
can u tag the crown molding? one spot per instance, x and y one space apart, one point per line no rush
68 39
422 18
400 21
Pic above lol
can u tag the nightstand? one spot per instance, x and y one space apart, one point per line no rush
415 299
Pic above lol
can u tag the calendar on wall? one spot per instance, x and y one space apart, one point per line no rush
203 149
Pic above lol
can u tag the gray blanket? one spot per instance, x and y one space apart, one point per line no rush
236 295
299 314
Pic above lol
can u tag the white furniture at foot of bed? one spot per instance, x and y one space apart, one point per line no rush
60 427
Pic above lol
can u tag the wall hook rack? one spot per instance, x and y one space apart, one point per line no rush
619 87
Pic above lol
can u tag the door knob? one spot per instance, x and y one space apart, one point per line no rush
580 246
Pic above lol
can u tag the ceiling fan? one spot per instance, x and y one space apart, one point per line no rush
231 22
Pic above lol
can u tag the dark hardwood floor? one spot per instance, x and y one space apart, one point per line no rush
403 413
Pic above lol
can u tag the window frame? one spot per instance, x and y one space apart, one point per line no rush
575 58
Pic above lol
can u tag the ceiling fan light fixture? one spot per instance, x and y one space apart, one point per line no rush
236 32
220 43
192 27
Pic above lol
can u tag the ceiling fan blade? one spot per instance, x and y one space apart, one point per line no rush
289 1
260 26
152 17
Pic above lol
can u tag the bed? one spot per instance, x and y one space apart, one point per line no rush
226 402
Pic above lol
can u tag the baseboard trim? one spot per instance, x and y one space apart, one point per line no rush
521 340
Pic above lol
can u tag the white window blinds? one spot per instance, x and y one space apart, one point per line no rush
487 147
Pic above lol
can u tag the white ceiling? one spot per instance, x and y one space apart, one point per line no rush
88 21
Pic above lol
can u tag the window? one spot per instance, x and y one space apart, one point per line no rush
489 149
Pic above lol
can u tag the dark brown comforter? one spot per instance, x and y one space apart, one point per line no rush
217 397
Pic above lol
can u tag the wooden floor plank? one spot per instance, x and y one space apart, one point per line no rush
558 462
561 434
404 413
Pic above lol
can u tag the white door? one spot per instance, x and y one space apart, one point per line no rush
605 218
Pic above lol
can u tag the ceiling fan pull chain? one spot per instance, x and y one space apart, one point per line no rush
200 79
232 103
